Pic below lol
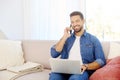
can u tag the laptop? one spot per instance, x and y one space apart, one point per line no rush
65 66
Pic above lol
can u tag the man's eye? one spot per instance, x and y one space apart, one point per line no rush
77 20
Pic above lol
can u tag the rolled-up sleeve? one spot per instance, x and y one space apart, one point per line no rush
100 62
99 54
53 52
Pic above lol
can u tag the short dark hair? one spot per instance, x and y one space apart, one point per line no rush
77 13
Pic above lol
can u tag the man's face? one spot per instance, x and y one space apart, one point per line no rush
77 23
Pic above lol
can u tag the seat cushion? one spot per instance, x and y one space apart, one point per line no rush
6 75
36 76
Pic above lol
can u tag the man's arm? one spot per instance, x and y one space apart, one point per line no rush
99 56
59 46
90 66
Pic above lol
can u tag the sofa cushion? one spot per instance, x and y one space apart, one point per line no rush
7 75
38 51
110 71
10 53
44 75
106 48
114 50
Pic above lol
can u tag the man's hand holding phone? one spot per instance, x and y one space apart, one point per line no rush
60 44
68 31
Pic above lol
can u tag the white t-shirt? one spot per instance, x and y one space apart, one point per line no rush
75 50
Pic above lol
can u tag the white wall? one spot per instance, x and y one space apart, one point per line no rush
43 19
35 19
11 18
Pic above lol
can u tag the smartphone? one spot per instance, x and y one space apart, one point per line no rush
70 30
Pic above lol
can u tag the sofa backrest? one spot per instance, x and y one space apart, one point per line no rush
37 51
106 47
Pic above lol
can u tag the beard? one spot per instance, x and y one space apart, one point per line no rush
79 29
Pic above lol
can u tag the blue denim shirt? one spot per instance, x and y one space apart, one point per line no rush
91 49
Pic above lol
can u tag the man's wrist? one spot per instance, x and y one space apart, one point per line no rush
86 65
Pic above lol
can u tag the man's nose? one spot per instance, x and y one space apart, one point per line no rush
74 24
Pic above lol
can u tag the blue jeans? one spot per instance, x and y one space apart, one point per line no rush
59 76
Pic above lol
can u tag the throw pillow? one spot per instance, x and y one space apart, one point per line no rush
11 54
114 50
110 71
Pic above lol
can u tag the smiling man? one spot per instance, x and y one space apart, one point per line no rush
79 45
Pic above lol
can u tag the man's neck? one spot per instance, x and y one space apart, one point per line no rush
79 33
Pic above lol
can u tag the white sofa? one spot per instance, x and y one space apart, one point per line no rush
39 51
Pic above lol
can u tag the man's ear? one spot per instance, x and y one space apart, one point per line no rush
83 21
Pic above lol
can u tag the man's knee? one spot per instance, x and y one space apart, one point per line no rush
56 76
83 76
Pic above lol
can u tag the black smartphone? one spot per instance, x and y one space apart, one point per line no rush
70 30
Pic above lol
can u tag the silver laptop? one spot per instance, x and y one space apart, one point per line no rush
65 66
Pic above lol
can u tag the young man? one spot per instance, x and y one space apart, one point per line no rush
79 45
